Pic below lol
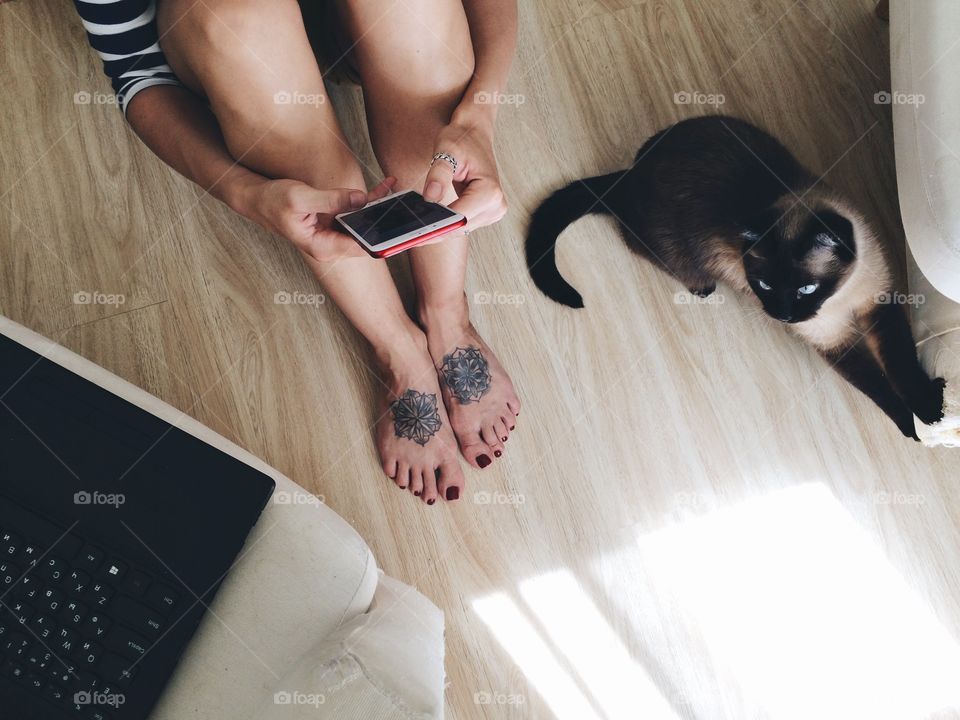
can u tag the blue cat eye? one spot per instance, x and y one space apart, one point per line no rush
807 290
763 285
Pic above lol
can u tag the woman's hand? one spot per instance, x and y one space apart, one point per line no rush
306 216
476 181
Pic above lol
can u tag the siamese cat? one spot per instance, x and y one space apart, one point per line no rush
716 200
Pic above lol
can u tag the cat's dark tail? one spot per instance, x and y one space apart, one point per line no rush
580 198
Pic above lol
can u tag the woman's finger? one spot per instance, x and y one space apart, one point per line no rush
481 202
331 202
439 182
382 190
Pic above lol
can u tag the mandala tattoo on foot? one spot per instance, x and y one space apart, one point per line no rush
415 416
466 373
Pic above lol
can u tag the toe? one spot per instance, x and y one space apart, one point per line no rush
416 483
500 428
475 450
403 475
514 404
509 422
492 439
450 481
390 468
429 487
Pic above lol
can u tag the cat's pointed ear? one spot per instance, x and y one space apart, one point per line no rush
834 232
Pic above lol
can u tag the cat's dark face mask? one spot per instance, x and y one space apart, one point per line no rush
794 267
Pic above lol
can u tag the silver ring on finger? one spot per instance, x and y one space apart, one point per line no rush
448 158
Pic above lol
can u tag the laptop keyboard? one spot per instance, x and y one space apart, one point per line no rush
74 619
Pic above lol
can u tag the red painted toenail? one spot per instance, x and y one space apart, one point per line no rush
417 493
512 428
402 487
431 502
504 438
483 460
497 453
453 493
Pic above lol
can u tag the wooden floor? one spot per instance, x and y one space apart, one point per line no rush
695 517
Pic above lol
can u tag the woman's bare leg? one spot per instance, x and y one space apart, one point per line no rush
416 59
244 56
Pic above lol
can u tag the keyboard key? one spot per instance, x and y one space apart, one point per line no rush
99 594
127 643
51 601
38 658
63 672
113 571
14 671
22 612
115 669
34 681
89 559
135 583
89 653
29 554
56 693
9 545
78 582
73 613
53 570
162 598
15 645
9 574
95 626
28 588
44 627
135 615
66 640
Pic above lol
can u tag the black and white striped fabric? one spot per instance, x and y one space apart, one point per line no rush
124 34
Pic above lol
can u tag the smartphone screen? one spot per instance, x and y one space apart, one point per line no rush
394 217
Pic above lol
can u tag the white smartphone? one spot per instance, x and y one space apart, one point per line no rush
399 222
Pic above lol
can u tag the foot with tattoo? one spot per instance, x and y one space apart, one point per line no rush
414 437
477 391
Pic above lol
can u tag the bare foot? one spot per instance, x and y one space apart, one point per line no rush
477 391
414 437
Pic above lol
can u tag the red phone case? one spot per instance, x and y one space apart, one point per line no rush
413 242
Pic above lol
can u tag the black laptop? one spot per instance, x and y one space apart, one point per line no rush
116 529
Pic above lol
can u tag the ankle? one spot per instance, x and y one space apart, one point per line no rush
402 350
449 316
